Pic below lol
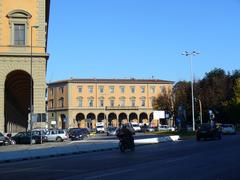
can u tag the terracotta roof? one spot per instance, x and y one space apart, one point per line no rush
113 81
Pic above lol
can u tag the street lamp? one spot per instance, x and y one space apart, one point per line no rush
31 85
193 53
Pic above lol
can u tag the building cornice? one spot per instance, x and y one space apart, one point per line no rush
24 55
112 81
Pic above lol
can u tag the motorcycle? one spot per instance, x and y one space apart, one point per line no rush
126 143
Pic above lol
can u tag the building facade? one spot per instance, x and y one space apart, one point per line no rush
84 102
23 61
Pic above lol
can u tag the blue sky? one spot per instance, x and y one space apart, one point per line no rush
142 38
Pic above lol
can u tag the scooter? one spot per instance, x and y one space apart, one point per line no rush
126 143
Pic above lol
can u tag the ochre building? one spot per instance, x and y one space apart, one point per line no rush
84 102
23 61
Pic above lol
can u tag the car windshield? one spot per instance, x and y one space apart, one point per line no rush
99 126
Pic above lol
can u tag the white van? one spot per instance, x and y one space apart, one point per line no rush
136 127
100 127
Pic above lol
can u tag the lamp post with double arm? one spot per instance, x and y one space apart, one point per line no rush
190 54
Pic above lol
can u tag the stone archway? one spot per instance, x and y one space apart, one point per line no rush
18 88
133 117
143 118
100 117
122 118
80 118
112 120
91 118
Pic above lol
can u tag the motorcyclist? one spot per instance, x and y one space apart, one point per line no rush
125 134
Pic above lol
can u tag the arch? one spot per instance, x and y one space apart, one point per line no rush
19 13
80 117
133 116
18 90
63 121
90 118
143 116
111 118
121 118
101 117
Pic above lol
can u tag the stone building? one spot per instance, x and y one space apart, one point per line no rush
23 61
83 102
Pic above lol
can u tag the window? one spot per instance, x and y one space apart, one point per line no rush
52 114
142 89
133 102
122 89
19 35
80 102
61 89
101 89
112 102
162 89
19 27
111 89
61 102
132 89
142 102
90 89
80 89
101 103
90 102
152 89
122 102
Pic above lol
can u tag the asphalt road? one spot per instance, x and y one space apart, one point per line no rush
218 159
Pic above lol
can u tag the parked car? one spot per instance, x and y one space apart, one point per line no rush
78 134
136 127
111 131
41 133
228 129
206 131
58 135
165 128
146 128
25 138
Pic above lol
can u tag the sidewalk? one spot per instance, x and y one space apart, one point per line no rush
77 148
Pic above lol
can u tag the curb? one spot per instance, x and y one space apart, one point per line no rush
75 150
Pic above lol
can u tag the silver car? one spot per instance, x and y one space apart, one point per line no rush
57 135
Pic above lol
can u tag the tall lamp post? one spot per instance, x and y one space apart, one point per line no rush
31 85
193 53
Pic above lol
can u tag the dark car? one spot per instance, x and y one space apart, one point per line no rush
42 134
111 131
25 138
206 131
78 134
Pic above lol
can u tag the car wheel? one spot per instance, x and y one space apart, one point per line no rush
59 139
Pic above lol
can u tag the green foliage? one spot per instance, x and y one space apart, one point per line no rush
218 91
